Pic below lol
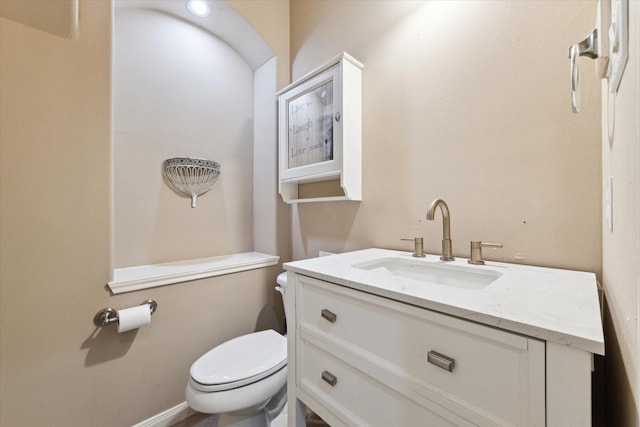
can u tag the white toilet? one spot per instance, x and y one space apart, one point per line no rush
244 380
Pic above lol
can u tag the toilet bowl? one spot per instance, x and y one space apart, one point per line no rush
244 380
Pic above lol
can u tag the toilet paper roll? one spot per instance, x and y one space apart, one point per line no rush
134 317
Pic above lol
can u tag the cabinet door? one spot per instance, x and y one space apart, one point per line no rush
311 127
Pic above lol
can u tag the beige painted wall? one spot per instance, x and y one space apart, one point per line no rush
59 17
621 247
271 226
469 102
179 92
56 369
270 18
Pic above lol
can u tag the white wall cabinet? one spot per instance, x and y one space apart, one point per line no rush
320 132
358 359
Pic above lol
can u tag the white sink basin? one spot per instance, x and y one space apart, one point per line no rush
438 273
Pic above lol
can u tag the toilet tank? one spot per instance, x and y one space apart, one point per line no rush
282 280
282 288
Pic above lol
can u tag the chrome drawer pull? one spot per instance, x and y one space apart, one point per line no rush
329 315
440 360
329 378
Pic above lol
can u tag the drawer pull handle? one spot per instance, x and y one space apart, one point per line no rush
440 360
329 315
329 378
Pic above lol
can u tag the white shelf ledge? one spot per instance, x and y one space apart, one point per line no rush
150 276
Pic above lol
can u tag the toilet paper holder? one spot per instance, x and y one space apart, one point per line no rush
108 315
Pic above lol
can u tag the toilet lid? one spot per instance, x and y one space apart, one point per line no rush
242 360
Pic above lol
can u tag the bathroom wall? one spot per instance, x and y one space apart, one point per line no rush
621 246
179 91
272 219
271 20
58 17
56 368
467 101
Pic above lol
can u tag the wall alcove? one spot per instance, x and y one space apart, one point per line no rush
188 86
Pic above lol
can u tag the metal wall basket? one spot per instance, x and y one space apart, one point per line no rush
191 176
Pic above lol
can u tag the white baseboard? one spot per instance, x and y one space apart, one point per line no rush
169 417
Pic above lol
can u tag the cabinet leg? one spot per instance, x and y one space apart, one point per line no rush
296 413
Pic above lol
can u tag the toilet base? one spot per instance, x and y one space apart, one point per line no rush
261 418
259 415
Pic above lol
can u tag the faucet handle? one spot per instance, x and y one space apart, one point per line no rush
476 251
418 250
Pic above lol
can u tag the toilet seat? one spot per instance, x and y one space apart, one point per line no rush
241 361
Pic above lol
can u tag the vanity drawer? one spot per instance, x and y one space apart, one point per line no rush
494 376
359 400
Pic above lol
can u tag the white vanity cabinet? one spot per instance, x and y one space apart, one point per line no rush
363 360
359 356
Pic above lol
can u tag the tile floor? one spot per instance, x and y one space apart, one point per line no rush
208 420
198 420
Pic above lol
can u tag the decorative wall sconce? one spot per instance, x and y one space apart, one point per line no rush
191 176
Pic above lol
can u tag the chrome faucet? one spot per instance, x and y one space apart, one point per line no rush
446 227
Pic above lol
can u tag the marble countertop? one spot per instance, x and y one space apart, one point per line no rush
556 305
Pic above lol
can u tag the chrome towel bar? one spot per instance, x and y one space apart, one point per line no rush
589 48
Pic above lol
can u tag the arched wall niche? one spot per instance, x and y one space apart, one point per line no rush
223 22
185 86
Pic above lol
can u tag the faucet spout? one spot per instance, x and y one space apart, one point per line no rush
447 254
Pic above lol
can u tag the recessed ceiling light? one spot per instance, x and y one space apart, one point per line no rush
199 8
